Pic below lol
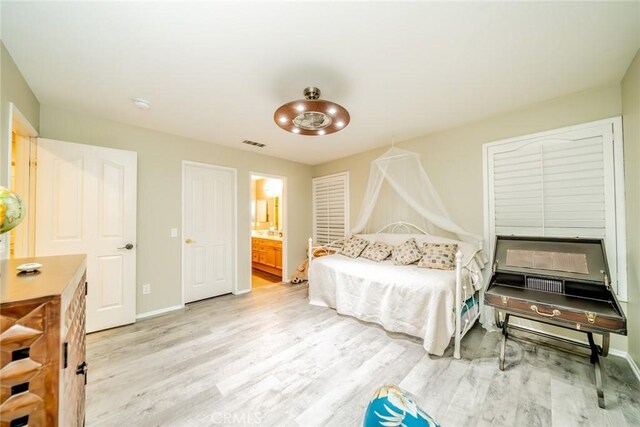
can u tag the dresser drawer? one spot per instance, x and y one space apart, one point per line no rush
256 241
273 243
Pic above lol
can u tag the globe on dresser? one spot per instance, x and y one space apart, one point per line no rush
11 210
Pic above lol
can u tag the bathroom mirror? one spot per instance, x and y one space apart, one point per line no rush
262 209
266 204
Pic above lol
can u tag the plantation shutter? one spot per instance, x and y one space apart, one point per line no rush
330 208
560 185
552 188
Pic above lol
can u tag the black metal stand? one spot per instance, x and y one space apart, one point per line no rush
505 335
596 350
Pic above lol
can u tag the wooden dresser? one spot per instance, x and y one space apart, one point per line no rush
266 255
42 343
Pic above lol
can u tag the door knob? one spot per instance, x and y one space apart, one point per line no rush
188 241
128 246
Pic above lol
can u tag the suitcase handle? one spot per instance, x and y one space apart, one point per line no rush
554 313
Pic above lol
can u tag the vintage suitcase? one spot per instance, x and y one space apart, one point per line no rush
559 281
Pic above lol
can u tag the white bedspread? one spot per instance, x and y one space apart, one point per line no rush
415 301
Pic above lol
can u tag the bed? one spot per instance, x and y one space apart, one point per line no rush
434 305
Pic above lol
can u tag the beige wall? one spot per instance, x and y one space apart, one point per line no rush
160 158
13 88
453 158
631 124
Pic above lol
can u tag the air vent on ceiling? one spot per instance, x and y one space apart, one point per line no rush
257 144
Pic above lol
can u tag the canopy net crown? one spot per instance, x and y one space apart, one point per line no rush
409 196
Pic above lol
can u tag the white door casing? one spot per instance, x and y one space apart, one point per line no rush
209 230
86 203
22 186
25 170
284 225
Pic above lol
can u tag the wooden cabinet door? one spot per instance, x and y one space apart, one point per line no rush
279 258
73 396
29 359
269 256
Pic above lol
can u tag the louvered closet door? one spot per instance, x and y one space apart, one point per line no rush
555 186
330 208
575 191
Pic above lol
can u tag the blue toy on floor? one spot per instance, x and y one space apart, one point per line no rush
391 406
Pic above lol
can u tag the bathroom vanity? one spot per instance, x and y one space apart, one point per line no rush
266 254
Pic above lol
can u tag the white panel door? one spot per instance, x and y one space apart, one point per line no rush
208 230
86 203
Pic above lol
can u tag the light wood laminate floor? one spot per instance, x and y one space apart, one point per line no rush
260 278
269 358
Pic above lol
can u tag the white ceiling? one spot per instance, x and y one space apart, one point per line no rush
217 71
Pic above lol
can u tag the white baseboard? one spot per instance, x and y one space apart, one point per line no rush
157 312
630 361
245 291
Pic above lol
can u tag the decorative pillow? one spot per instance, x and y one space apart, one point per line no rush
439 256
354 247
392 406
318 252
378 251
406 253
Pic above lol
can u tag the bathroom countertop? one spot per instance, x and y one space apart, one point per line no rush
265 236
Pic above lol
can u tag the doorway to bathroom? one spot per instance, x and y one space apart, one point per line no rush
268 216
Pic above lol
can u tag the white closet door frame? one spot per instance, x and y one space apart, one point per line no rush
610 130
235 224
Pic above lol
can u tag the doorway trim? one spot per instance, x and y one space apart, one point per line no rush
18 121
186 163
285 224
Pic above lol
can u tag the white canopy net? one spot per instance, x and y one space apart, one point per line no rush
409 196
398 178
